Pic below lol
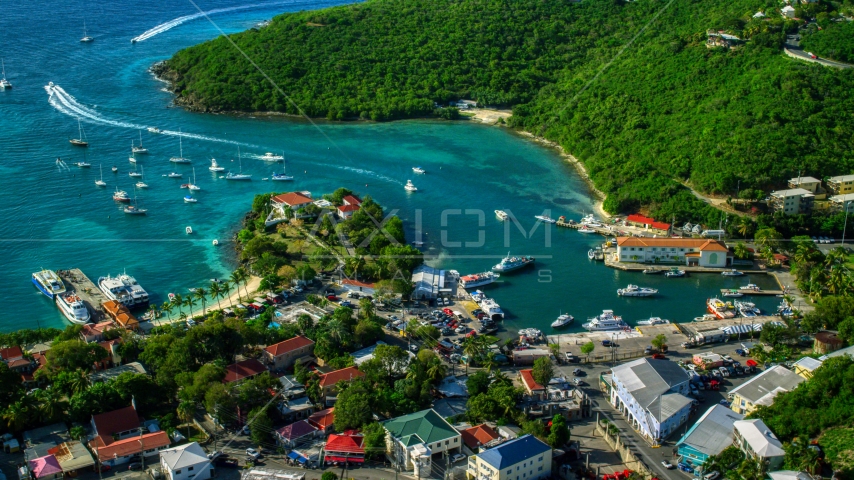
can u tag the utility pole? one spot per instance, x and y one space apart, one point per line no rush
845 225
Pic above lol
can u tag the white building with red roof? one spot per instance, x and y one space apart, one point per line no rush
531 386
344 449
357 286
292 199
283 354
347 211
351 200
329 381
701 252
119 439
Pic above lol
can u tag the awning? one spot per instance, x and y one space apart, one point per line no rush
294 455
330 458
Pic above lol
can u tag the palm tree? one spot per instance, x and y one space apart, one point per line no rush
216 292
226 286
437 371
354 264
186 411
472 349
201 294
740 250
17 415
190 302
79 383
235 280
178 301
52 405
244 277
489 361
745 227
337 329
167 307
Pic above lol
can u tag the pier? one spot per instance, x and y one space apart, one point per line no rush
91 295
751 291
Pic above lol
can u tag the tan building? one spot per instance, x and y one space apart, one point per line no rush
761 389
841 185
283 354
810 184
525 458
701 252
806 366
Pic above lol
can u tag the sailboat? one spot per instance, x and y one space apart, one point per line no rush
180 158
193 185
84 163
134 209
140 148
241 175
141 183
100 182
79 142
282 177
4 84
132 157
134 174
86 38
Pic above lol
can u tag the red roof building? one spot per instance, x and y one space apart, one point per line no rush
323 420
283 354
95 332
646 222
346 211
357 286
121 423
291 434
11 353
345 448
531 385
479 436
329 381
113 452
291 199
241 370
352 200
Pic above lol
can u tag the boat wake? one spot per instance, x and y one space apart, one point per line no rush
166 26
67 104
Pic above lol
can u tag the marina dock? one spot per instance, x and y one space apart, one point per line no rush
92 297
751 291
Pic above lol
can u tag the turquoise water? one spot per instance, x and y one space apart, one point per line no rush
57 218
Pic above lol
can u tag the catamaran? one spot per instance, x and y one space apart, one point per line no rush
100 182
180 158
241 175
79 142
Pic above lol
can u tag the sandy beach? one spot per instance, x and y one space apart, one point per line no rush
487 115
251 286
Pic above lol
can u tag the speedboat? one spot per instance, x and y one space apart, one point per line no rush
501 214
175 175
189 199
591 254
545 219
49 283
636 291
83 164
747 309
134 174
409 187
121 196
153 129
652 271
134 210
653 321
705 318
141 184
508 263
215 167
562 320
189 230
604 322
271 157
734 293
675 272
73 308
732 273
238 176
281 177
418 170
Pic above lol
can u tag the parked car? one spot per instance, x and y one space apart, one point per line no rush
578 372
578 382
658 356
572 358
711 476
647 350
741 352
457 457
227 462
253 454
606 343
667 464
461 329
724 403
135 466
332 298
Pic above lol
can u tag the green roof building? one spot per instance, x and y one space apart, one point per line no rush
420 434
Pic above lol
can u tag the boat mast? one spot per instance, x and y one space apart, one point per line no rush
239 161
140 138
180 144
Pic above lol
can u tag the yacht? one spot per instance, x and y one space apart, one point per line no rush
4 84
598 254
134 210
281 177
636 291
409 187
174 175
747 309
189 199
192 186
562 320
180 158
80 141
271 157
545 219
508 263
125 290
733 293
100 182
121 196
73 308
652 271
675 272
83 164
752 287
591 221
586 229
141 183
591 254
134 174
240 175
86 38
215 167
418 170
140 148
501 214
720 309
653 321
478 279
604 322
49 283
732 273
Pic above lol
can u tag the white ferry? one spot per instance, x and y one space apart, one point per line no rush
491 308
73 308
604 322
49 283
478 279
125 290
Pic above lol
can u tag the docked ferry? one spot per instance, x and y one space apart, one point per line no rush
478 279
508 263
49 283
604 322
125 290
73 308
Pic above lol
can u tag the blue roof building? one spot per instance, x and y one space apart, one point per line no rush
525 458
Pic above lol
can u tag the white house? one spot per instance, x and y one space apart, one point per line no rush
756 440
652 395
187 462
788 11
413 436
703 252
793 201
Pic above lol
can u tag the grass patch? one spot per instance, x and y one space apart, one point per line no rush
838 445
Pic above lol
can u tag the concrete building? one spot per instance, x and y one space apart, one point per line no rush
73 457
187 462
480 437
329 381
701 252
355 286
525 458
761 389
652 395
840 202
792 201
757 441
431 283
805 366
413 436
826 342
709 436
841 184
810 184
282 355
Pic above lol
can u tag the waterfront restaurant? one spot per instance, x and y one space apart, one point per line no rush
702 252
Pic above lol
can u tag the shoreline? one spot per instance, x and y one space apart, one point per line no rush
251 286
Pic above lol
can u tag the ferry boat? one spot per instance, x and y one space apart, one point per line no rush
501 214
604 322
272 157
732 293
491 308
732 273
653 321
418 170
478 279
674 273
545 219
720 309
409 187
49 283
73 308
636 291
125 290
215 166
508 263
562 321
121 196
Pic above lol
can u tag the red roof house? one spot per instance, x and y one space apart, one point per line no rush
479 436
329 381
357 286
351 200
283 354
129 446
323 420
11 353
345 448
531 385
121 423
246 369
291 199
647 222
346 211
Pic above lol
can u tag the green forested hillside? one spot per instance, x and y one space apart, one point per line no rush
667 110
835 40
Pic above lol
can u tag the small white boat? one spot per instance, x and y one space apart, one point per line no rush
272 157
133 210
100 182
501 214
732 293
175 175
545 219
705 318
732 273
115 169
189 199
215 242
591 254
4 84
752 286
586 229
409 187
134 174
83 164
418 170
86 38
675 272
653 321
132 159
192 186
141 183
140 148
215 167
562 320
281 177
189 230
153 129
636 291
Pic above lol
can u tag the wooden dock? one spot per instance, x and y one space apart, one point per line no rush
92 297
751 291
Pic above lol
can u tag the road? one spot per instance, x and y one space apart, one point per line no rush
794 49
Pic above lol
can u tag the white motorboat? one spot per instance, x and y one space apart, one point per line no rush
73 308
215 167
240 175
491 308
591 254
545 219
134 210
189 230
174 175
636 291
189 199
100 182
180 158
83 164
732 273
674 273
418 170
272 157
215 242
153 129
81 140
705 318
115 169
653 321
732 293
586 229
604 322
501 214
86 38
121 196
751 286
139 148
49 283
409 187
141 183
747 309
562 320
4 84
